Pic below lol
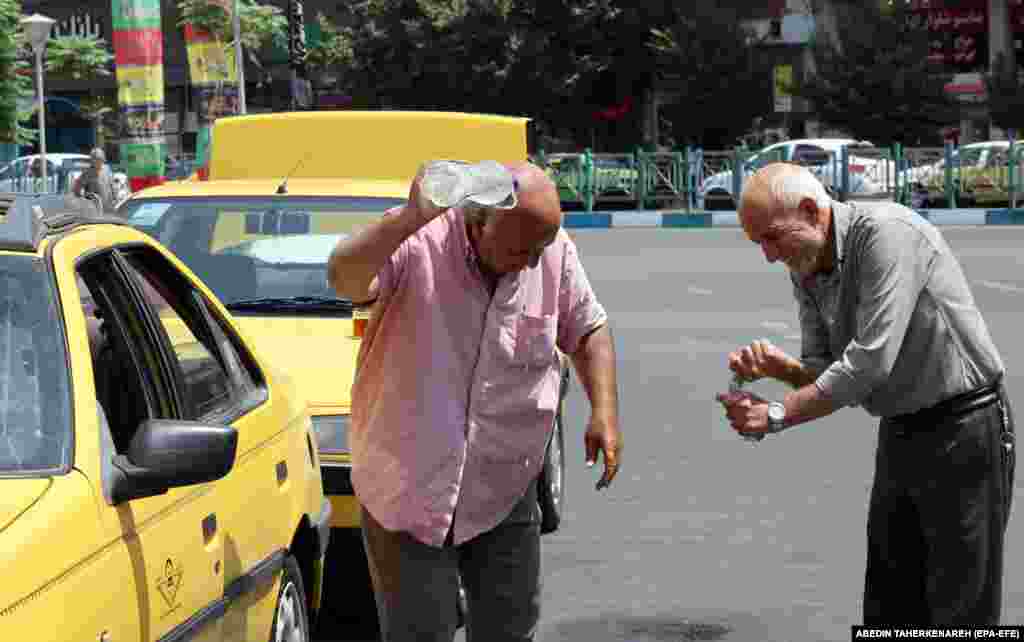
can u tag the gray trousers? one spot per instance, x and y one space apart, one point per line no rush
416 585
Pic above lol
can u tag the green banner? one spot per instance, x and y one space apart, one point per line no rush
136 14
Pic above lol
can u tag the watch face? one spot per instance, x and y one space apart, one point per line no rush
776 412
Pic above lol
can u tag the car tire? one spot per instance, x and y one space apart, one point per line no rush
291 619
551 483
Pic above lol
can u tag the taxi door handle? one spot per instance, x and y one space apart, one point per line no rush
209 527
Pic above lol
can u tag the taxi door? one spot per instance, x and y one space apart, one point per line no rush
168 546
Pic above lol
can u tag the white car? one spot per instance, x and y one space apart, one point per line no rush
979 176
61 172
868 175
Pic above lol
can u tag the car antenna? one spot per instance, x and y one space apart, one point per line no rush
283 187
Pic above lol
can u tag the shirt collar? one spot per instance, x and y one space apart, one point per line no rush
841 215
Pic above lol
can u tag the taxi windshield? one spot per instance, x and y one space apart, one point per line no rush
259 253
35 431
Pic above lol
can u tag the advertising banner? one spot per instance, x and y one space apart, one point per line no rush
214 78
138 54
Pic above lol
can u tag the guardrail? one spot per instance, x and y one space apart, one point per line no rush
697 179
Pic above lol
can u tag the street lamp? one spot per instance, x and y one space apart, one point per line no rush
37 30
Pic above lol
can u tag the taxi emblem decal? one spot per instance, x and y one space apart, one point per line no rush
169 583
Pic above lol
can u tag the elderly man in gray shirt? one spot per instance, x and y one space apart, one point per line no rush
889 323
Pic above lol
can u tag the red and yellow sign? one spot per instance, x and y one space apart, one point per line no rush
139 53
214 74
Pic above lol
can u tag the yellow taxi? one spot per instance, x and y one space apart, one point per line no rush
159 479
282 190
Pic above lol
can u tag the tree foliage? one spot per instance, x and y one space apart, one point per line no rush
874 79
708 56
78 57
558 61
259 24
15 77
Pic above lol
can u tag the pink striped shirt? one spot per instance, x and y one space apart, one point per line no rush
456 391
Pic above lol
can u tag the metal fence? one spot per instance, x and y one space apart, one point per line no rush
696 179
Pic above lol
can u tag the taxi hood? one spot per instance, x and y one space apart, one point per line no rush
17 496
346 144
319 353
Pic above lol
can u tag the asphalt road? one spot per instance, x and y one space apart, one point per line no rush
704 536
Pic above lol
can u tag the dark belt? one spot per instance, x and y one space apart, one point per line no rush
924 420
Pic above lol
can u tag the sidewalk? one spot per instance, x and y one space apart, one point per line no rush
683 219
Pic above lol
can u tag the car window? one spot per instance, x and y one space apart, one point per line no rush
130 380
250 248
207 386
810 155
970 157
764 157
35 429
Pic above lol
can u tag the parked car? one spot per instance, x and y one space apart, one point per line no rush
159 476
260 231
61 172
980 173
868 176
613 176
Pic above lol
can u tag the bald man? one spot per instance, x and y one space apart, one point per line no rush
889 324
455 397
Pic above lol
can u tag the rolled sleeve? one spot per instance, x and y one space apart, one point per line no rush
579 312
390 275
893 266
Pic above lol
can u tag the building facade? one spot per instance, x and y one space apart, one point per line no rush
268 87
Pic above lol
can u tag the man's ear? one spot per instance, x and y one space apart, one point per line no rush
809 210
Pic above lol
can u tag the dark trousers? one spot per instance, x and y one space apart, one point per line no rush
416 585
939 506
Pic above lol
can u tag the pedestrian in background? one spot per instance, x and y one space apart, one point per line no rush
889 324
455 397
97 179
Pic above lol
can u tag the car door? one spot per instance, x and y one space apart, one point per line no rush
220 383
170 541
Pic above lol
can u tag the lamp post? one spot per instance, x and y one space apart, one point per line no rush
37 30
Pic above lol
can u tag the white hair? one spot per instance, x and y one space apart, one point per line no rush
794 185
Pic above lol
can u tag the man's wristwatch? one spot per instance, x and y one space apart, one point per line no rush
776 417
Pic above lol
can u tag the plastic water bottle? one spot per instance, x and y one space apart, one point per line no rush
450 183
736 385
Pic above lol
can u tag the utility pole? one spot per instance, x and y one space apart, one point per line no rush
1000 38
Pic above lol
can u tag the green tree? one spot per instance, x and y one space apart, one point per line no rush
708 58
259 24
15 78
558 61
874 79
78 57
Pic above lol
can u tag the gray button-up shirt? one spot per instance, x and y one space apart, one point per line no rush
894 326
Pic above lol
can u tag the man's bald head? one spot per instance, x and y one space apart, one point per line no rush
537 195
778 189
786 211
509 240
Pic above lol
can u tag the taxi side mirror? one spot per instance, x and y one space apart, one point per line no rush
169 453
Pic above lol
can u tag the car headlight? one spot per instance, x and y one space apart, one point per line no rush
331 433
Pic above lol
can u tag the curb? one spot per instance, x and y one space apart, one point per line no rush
636 218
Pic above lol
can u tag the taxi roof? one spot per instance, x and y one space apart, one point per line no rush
26 219
267 187
387 145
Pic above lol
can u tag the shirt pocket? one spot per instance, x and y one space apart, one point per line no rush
535 340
